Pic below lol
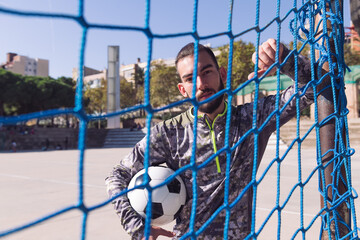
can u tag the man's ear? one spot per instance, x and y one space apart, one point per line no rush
223 74
182 89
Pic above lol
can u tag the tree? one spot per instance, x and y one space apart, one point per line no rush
139 75
163 85
127 94
8 92
96 98
351 57
25 94
242 64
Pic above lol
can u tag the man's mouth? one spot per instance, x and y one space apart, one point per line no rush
205 95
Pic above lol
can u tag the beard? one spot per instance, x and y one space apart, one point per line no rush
210 107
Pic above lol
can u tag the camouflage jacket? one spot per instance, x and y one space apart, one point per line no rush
171 143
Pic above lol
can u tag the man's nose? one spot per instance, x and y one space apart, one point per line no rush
201 82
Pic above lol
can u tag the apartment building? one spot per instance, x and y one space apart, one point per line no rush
26 66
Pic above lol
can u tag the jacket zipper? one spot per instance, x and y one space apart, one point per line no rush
212 132
214 143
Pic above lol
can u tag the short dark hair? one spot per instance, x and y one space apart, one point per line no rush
188 50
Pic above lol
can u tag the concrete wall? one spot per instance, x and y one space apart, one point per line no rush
35 138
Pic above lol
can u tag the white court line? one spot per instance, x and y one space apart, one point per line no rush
288 212
50 181
353 182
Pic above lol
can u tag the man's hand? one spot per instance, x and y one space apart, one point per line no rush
158 231
267 55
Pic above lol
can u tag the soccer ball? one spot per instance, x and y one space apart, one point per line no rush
167 200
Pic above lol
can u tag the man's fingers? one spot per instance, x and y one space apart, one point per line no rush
251 75
158 231
261 63
269 47
267 54
259 74
167 233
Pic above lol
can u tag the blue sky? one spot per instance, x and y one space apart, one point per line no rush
58 40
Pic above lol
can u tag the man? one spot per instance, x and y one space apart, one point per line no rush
171 143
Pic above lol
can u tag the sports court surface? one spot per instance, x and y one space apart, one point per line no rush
33 184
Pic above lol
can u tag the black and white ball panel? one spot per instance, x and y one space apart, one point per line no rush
167 200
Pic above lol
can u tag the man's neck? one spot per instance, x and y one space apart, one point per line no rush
217 111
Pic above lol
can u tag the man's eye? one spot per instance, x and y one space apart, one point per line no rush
206 72
188 79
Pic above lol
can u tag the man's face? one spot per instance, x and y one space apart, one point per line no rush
209 80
